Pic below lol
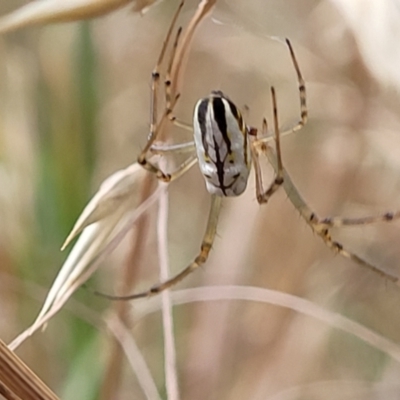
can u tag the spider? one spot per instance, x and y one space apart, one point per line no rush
225 148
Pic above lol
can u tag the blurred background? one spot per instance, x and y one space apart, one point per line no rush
74 108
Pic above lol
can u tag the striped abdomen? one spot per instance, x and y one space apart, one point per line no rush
222 146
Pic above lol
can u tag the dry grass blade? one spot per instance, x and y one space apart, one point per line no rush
17 381
97 240
114 192
134 356
51 11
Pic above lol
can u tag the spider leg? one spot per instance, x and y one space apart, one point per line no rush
200 259
264 195
303 99
180 148
161 148
320 226
170 99
179 123
302 93
181 170
337 222
155 125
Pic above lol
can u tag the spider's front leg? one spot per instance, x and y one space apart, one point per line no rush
303 102
258 145
158 125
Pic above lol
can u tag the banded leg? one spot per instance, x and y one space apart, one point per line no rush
155 125
201 258
302 95
264 195
321 226
337 222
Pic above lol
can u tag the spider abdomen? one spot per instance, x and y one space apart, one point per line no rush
221 142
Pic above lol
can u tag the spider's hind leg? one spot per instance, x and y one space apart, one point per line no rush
199 260
320 226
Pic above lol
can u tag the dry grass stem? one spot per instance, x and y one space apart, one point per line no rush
55 11
280 299
170 364
134 356
17 381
